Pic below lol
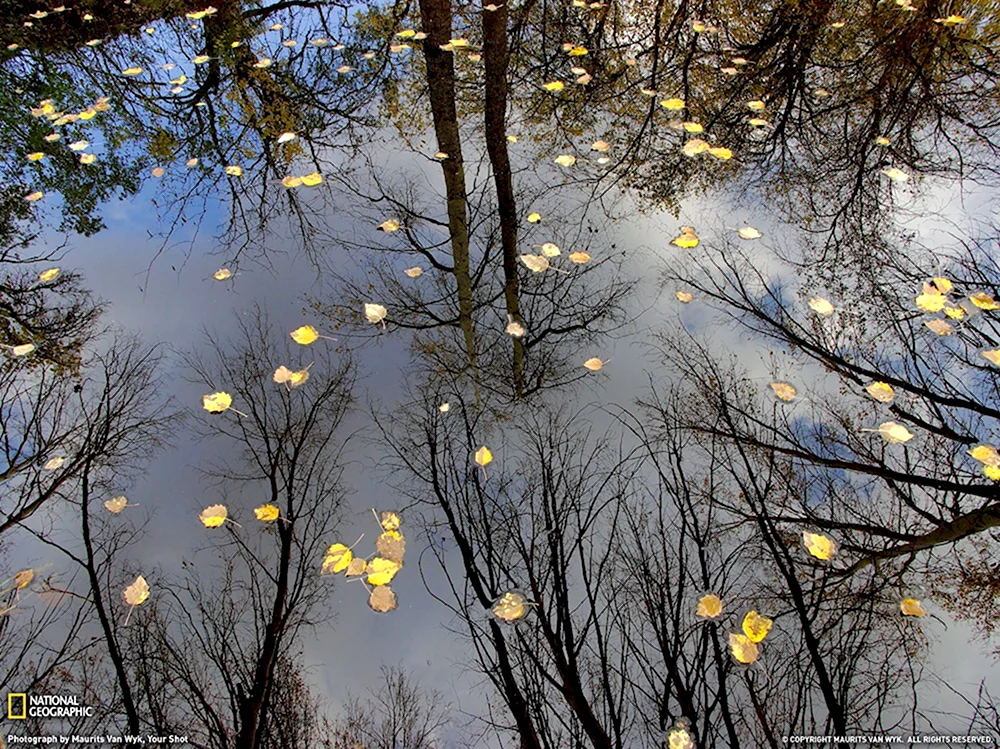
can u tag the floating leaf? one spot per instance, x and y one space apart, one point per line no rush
375 313
414 272
213 516
709 606
684 297
579 257
23 579
137 592
381 571
382 599
723 154
132 71
483 456
672 104
23 349
222 274
756 627
756 105
31 197
291 181
784 391
537 263
36 156
894 432
444 408
687 238
594 364
357 567
158 171
748 232
390 521
896 175
692 127
554 86
534 218
694 147
267 513
931 302
391 545
993 356
305 335
87 158
743 648
941 327
336 559
234 171
986 454
388 225
53 463
984 301
550 249
116 504
49 275
881 391
912 607
510 606
565 160
820 306
311 180
216 403
601 146
819 546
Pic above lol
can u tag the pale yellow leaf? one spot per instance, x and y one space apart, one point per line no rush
684 297
414 272
266 513
565 160
579 257
137 592
709 606
213 516
881 391
388 225
222 274
672 104
912 607
534 218
49 275
510 606
594 364
894 432
748 232
896 175
784 391
819 546
820 306
743 648
216 403
53 463
941 327
116 504
536 263
375 313
984 301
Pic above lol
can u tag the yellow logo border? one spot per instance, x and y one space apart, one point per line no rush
10 705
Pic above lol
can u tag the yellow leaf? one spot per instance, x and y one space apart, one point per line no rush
881 391
758 122
336 559
381 571
954 313
984 301
672 104
748 232
687 239
201 59
222 274
709 606
23 579
911 607
952 20
894 433
297 378
993 357
986 454
267 513
36 156
881 141
311 180
234 171
579 257
510 607
534 218
390 521
554 86
941 327
601 146
565 160
684 297
216 403
158 171
305 335
213 516
577 51
53 463
694 147
896 175
820 306
388 225
756 627
784 391
87 158
680 738
723 154
756 105
382 599
992 472
743 649
31 197
537 263
819 546
375 313
49 275
132 71
116 504
692 127
291 181
483 456
931 302
264 62
191 162
549 249
137 592
78 145
444 408
594 364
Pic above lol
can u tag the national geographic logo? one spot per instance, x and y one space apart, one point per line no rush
21 705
